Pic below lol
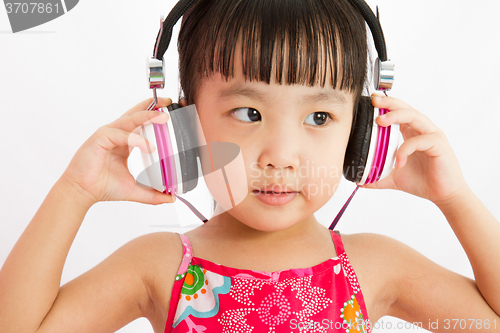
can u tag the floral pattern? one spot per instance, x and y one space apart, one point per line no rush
200 292
216 298
268 305
352 316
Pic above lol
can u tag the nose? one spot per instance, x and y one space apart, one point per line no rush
280 149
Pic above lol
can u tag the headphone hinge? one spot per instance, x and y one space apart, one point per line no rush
156 72
384 74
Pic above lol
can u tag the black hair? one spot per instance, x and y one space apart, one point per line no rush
305 42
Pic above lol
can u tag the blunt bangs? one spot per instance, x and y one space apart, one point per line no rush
307 42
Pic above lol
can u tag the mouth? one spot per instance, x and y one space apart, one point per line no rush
275 198
256 192
274 189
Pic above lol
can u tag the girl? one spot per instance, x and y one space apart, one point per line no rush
258 246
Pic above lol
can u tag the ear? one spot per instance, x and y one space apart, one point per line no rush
183 102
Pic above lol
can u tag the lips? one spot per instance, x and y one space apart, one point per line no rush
275 195
272 192
275 189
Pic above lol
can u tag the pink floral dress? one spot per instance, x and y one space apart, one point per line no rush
210 298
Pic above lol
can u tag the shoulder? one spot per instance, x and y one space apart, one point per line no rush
396 261
155 252
390 258
400 282
381 264
157 245
124 286
155 255
372 247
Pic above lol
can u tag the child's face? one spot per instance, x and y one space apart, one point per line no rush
282 143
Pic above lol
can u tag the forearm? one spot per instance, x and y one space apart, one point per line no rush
479 233
30 277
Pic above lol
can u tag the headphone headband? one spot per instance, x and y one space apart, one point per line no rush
374 25
165 33
384 68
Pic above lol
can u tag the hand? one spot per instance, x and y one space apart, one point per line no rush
99 168
425 163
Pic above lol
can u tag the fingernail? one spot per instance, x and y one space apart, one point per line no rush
378 94
148 149
382 116
164 117
160 119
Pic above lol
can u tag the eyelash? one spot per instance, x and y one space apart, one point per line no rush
329 115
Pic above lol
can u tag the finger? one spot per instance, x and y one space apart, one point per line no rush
150 196
144 105
387 102
411 117
110 138
425 143
386 183
133 122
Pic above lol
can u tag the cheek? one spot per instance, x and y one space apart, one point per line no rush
215 128
321 176
209 127
224 172
330 157
222 163
321 169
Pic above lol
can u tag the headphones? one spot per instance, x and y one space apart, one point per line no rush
173 169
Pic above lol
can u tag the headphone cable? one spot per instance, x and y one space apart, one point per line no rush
339 215
193 209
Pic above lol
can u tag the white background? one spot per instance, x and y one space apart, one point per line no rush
60 81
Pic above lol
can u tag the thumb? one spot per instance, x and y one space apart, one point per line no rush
150 196
386 183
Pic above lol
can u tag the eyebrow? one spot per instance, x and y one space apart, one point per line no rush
242 90
333 96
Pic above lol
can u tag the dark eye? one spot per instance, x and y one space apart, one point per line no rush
246 114
318 118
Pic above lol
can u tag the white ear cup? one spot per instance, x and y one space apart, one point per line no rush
151 161
178 184
162 166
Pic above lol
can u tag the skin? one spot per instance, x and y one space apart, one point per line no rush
136 280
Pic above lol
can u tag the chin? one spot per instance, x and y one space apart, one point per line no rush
257 215
270 219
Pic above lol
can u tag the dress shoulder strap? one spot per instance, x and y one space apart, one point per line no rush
337 241
346 265
187 254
